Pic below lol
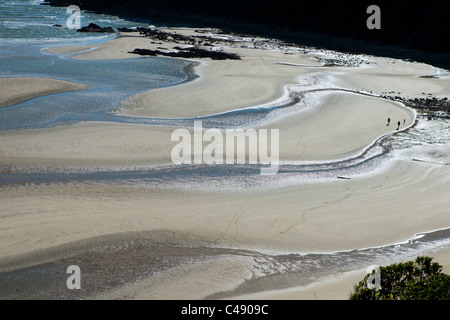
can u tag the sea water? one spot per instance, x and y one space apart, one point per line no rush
27 30
29 21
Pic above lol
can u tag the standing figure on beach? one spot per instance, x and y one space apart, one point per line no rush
398 123
404 121
389 121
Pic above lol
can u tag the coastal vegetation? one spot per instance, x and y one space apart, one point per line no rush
421 279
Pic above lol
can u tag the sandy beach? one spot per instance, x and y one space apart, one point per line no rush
338 114
19 89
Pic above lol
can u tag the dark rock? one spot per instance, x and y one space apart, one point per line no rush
57 25
92 27
146 52
127 30
433 108
189 53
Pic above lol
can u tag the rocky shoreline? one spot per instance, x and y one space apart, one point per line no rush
408 31
92 27
197 46
202 46
188 53
432 108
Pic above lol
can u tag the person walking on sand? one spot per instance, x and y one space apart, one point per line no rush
389 121
398 123
404 121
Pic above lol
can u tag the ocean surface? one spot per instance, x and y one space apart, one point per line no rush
28 21
27 29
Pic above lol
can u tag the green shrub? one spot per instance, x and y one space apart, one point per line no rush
421 279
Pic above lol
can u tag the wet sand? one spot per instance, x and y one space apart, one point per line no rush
15 90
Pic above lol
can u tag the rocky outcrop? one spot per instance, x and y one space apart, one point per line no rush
92 27
189 53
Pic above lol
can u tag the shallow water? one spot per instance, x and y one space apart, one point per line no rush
26 30
111 82
28 21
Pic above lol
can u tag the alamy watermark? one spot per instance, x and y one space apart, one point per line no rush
74 21
374 21
230 146
374 280
74 280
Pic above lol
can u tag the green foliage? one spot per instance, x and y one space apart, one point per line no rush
421 279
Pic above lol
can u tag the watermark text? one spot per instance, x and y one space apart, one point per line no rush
234 146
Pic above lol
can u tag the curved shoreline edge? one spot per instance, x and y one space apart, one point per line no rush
18 89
